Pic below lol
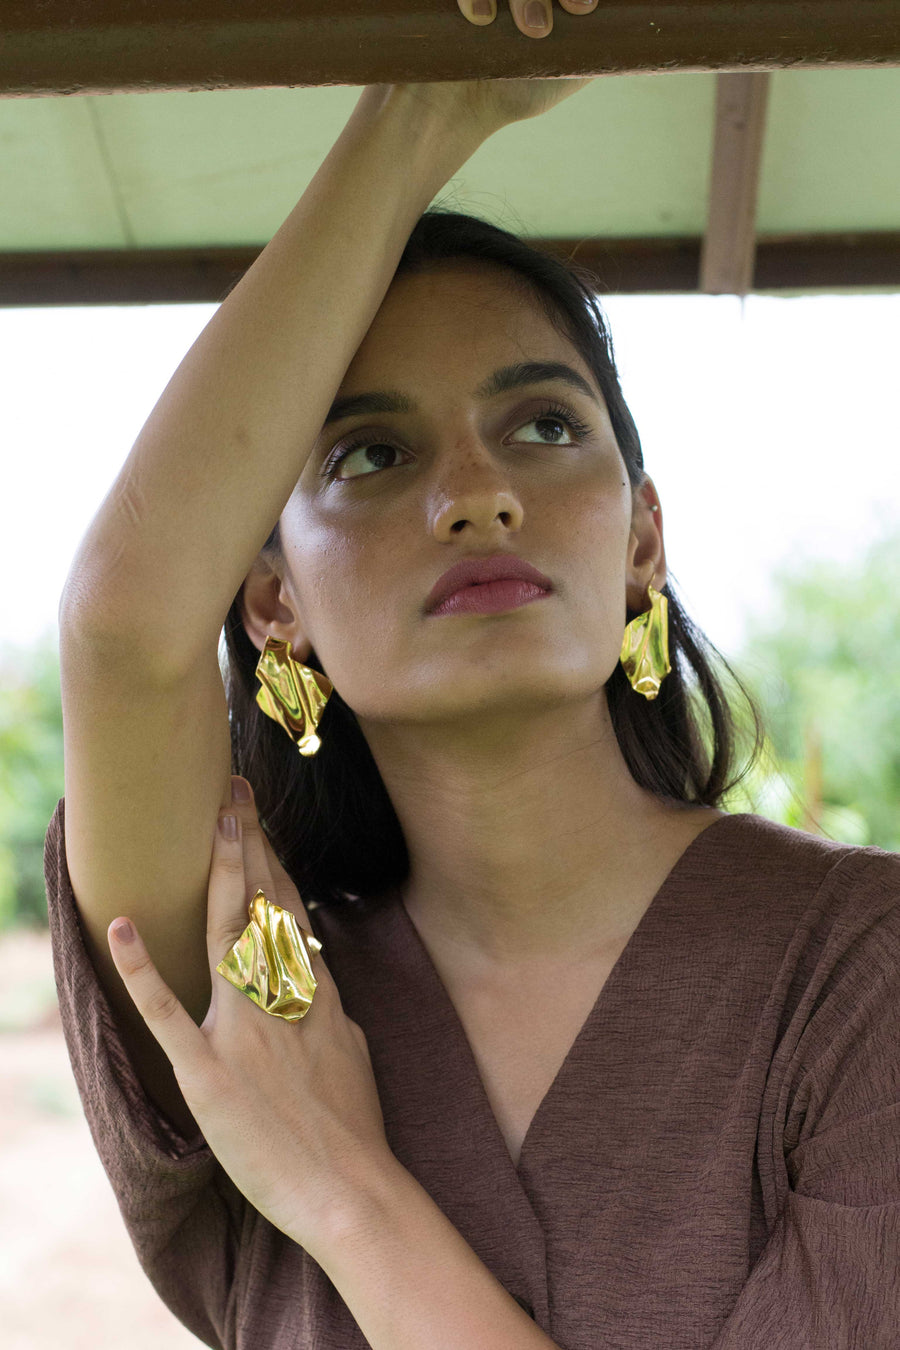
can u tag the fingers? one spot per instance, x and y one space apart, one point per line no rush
174 1028
242 862
467 7
261 868
228 897
256 863
534 18
260 856
233 881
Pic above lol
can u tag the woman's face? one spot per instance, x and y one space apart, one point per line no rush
464 475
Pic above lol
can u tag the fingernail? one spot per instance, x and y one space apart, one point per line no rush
123 931
240 790
535 14
482 9
228 826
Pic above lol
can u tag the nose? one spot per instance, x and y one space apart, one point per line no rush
473 490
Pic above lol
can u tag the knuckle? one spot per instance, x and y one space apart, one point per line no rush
222 937
161 1005
204 1086
139 965
231 864
325 984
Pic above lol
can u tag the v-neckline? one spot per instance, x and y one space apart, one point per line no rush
669 887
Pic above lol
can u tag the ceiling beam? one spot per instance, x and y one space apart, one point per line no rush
622 267
104 46
726 260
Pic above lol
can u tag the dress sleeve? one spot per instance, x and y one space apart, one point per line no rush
829 1274
183 1213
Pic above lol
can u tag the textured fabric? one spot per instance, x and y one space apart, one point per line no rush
716 1164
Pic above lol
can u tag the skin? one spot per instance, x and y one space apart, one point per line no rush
517 10
531 845
529 839
533 851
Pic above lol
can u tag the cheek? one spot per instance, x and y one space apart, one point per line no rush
343 577
594 518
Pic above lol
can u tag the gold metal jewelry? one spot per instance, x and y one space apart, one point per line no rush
645 647
292 694
271 962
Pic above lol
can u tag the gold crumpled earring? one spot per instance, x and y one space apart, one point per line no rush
645 646
292 694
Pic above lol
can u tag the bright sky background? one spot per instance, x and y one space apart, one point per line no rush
770 428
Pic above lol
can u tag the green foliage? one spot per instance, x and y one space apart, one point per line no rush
31 775
825 667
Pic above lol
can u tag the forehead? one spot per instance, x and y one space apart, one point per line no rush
461 315
465 281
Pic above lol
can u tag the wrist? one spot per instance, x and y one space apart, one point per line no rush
429 119
358 1210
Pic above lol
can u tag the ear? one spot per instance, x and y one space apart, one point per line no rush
646 550
269 608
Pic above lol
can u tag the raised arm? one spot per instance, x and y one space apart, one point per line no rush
220 453
145 720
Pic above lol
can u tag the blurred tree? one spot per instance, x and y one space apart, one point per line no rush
31 775
825 667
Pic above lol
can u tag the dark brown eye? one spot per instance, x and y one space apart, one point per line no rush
558 413
382 451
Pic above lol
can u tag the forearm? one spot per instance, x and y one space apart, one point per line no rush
413 1283
225 445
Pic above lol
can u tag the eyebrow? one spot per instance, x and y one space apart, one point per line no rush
508 377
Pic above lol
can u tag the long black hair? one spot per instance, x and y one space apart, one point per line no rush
329 817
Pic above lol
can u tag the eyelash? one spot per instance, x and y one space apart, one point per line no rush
553 410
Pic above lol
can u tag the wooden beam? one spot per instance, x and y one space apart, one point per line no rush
729 245
622 267
103 46
866 260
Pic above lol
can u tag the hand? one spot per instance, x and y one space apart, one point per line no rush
290 1109
492 104
475 109
517 8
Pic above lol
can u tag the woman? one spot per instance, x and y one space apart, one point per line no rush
584 1060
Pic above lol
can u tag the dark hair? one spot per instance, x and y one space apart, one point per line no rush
329 817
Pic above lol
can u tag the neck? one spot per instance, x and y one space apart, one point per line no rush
528 838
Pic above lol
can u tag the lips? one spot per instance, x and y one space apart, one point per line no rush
477 571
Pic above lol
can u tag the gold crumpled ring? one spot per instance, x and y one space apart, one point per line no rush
271 962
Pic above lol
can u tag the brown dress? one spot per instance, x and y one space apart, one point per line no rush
716 1164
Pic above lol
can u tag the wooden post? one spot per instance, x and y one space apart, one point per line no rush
729 245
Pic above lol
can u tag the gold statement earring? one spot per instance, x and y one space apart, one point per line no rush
292 694
645 646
